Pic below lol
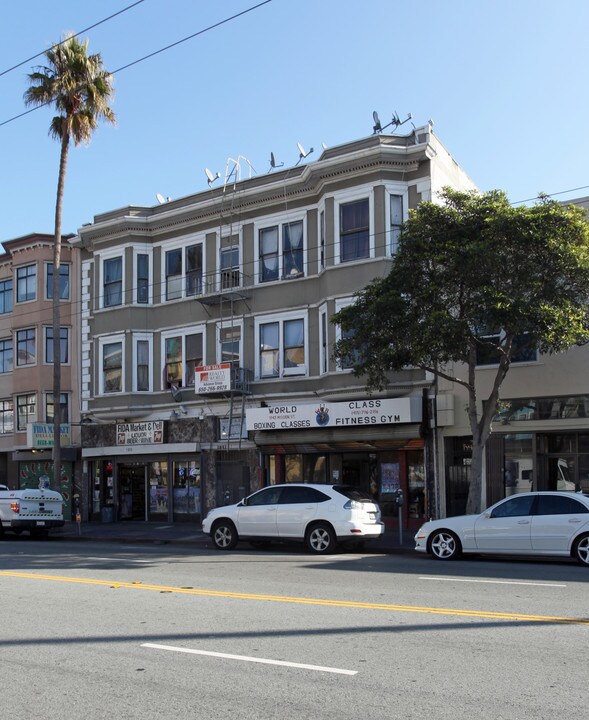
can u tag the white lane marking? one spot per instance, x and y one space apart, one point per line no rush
493 582
264 661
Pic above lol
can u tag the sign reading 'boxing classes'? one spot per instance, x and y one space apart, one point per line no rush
290 416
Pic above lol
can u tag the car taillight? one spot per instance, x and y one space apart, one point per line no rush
352 505
15 507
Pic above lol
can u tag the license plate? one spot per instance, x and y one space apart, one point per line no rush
40 522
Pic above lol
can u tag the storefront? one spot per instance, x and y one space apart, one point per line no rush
160 471
373 444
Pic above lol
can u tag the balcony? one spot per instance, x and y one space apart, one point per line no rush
229 285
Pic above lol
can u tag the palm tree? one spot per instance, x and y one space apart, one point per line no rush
79 88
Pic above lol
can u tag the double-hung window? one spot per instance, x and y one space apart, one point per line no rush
64 282
26 347
345 363
183 352
64 336
112 281
396 221
142 362
282 347
50 408
6 416
26 410
112 376
281 251
6 355
26 283
229 344
142 278
229 268
5 296
184 271
354 226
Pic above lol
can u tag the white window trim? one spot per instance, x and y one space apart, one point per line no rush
280 318
323 342
142 250
69 345
110 340
321 209
222 326
180 332
278 219
402 190
35 418
181 244
110 255
340 304
220 247
364 192
149 338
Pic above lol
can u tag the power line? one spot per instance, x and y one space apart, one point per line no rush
90 27
156 52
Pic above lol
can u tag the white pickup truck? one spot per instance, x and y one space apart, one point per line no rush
34 510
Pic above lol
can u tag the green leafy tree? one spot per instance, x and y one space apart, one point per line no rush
472 275
79 88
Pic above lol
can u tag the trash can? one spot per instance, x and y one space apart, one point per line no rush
107 514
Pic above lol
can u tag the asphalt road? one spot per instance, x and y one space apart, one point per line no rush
93 630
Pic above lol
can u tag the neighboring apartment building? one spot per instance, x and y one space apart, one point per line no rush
540 439
207 366
26 364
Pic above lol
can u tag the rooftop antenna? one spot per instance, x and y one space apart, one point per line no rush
210 177
273 162
302 153
378 127
161 199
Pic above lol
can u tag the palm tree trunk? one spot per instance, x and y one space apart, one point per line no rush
65 141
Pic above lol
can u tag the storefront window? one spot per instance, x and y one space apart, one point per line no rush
186 487
158 488
293 468
416 484
518 466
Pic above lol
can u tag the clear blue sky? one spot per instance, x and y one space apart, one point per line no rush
503 80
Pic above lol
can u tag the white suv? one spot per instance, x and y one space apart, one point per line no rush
320 515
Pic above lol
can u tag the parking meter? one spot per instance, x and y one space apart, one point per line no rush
399 499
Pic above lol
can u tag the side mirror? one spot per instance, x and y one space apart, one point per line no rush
487 515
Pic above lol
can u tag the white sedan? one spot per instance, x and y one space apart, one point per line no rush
536 523
319 515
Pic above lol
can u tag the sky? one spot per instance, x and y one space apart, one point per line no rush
502 80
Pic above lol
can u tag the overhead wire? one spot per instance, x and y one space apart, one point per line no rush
153 54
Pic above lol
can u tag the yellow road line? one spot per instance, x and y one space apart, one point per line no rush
302 600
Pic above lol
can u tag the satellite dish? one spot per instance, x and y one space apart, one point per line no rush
210 177
160 198
273 162
302 152
377 126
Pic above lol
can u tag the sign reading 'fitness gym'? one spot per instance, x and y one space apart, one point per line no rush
290 416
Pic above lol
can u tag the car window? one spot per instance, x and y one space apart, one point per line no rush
354 493
267 496
558 505
514 507
301 494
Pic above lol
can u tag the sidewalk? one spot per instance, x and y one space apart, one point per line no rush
190 534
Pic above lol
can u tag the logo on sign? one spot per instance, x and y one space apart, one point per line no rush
322 415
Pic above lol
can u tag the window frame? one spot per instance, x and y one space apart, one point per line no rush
103 342
6 293
103 258
3 350
401 191
48 343
280 221
137 253
182 246
340 304
137 338
323 340
514 361
48 286
281 320
65 407
6 410
183 334
18 342
26 280
31 416
220 326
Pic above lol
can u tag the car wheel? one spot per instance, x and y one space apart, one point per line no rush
444 545
581 550
320 538
224 535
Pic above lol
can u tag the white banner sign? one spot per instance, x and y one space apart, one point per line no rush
340 414
212 378
40 435
140 433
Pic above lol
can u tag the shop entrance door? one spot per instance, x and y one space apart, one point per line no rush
133 495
